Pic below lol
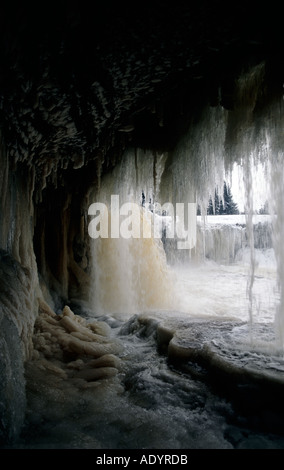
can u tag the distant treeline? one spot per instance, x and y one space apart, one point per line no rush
221 204
225 204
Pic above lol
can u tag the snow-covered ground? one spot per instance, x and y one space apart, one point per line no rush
232 219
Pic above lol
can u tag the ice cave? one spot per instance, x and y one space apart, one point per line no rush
130 316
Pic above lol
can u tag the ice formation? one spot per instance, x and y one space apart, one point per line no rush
76 349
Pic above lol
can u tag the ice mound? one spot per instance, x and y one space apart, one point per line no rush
75 367
69 347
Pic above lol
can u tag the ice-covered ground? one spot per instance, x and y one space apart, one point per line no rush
176 389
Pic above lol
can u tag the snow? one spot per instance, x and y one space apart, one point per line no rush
232 219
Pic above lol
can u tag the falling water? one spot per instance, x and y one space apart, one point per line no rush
131 274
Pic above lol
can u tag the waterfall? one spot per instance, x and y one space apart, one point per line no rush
131 274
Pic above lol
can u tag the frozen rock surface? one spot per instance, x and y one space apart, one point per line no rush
12 384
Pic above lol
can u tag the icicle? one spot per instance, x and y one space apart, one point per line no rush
250 232
79 160
32 188
277 204
154 177
136 167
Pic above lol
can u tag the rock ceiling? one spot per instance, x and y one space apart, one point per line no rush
79 83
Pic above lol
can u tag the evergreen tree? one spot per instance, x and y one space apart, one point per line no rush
230 206
210 208
220 208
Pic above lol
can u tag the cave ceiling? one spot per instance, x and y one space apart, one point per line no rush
80 82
